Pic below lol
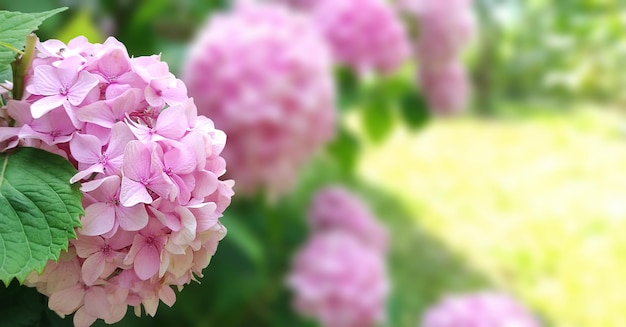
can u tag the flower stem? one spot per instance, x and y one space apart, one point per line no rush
21 65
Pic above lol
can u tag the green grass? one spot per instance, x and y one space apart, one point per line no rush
535 206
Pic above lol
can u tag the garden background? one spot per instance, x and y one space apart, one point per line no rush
523 193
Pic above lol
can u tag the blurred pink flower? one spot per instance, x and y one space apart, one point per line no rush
149 169
264 75
447 88
339 282
366 35
445 28
485 309
335 208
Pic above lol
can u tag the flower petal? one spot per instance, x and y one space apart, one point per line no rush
46 104
133 193
99 219
147 262
92 268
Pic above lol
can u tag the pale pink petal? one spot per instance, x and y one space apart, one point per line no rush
132 218
176 94
206 216
45 81
152 98
97 113
114 63
133 193
170 124
118 311
137 161
96 303
147 262
120 137
150 305
92 268
66 301
86 148
107 189
86 245
125 103
83 319
167 295
181 159
99 219
85 83
139 241
188 233
97 168
46 104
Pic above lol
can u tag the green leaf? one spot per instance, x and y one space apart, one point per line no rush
414 110
14 26
5 74
348 85
377 117
39 210
345 150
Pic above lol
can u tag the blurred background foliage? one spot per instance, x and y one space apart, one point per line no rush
529 200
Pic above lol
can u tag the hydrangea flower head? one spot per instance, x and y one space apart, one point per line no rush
335 208
264 74
149 168
485 309
445 28
446 89
339 282
366 35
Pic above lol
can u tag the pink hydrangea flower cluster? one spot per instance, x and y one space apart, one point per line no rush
264 74
366 35
335 208
485 309
149 168
339 276
445 28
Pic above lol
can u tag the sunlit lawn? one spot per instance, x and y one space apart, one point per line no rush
536 205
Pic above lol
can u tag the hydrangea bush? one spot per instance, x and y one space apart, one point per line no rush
366 35
336 208
339 276
485 309
149 168
444 30
264 74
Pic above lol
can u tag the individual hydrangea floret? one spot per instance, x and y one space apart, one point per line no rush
264 75
366 35
485 309
336 208
339 282
149 168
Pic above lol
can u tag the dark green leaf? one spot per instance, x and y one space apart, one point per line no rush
39 210
414 110
348 88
